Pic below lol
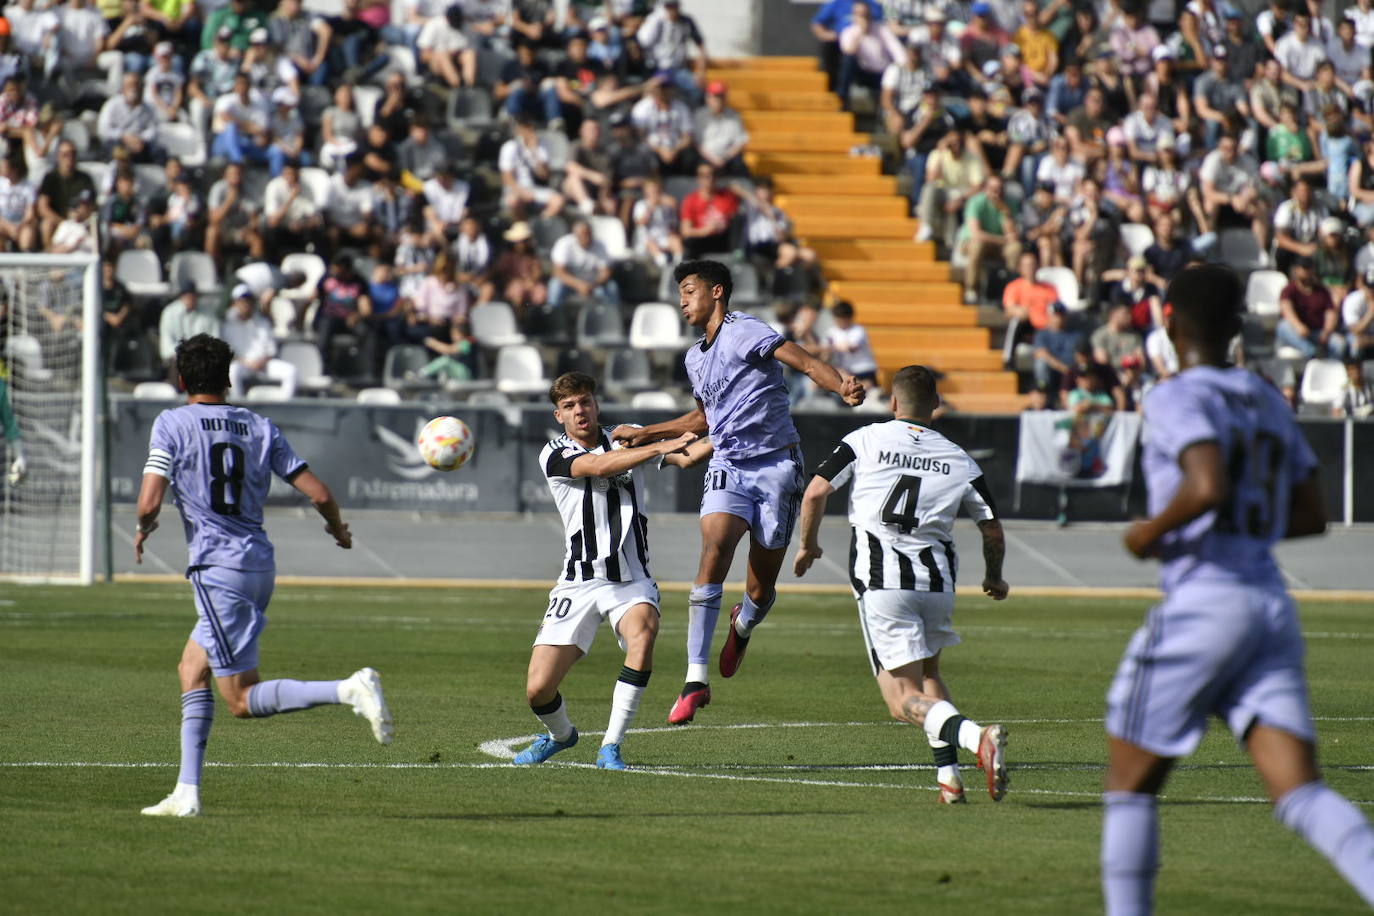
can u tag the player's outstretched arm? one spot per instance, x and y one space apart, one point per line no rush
812 511
822 373
613 462
994 551
693 422
150 496
315 490
1307 511
695 453
1205 486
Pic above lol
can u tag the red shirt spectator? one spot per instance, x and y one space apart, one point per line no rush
1311 306
1033 296
706 215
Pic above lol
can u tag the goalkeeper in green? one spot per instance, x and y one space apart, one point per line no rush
9 428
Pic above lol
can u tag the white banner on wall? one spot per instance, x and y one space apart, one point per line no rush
1063 449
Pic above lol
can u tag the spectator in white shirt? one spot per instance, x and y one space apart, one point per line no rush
655 220
249 334
446 203
667 36
1300 52
868 48
291 211
446 51
240 123
524 165
81 36
163 87
1362 14
77 233
1346 54
18 208
581 268
666 125
181 320
1357 315
720 133
128 121
847 347
349 204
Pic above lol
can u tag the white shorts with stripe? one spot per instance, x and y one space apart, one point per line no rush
902 626
576 609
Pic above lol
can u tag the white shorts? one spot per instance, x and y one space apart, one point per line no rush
576 609
1220 649
902 626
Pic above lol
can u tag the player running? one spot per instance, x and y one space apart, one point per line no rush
908 484
1228 473
754 481
605 572
219 461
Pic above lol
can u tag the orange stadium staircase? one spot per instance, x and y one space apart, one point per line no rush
857 222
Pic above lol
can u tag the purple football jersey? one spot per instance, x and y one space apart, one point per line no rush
220 460
740 385
1265 453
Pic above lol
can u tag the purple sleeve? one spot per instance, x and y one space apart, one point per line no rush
757 341
286 464
1176 417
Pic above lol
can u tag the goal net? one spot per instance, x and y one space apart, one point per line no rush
50 388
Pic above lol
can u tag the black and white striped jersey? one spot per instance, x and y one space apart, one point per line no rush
603 517
908 484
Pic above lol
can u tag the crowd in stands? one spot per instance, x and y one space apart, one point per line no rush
406 187
1072 156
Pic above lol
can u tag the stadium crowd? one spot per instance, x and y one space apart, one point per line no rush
1094 149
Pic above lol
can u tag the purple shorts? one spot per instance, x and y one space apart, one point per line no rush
1211 648
231 605
765 491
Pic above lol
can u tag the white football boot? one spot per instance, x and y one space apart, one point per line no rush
363 691
178 804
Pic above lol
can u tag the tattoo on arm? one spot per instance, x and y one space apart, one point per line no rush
994 547
914 709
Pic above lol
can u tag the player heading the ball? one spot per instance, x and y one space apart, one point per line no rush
218 460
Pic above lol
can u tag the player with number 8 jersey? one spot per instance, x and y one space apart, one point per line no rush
218 461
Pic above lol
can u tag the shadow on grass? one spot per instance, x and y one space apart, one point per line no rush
610 815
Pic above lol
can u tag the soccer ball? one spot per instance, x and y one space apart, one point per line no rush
446 443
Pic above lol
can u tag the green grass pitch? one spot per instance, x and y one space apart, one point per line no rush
823 806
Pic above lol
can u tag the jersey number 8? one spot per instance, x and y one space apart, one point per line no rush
899 509
226 478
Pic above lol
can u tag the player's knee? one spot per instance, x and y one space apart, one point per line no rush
238 705
539 693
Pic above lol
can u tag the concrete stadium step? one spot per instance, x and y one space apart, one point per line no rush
782 121
966 382
862 248
899 292
861 185
890 359
888 315
913 271
794 141
770 80
934 340
842 206
826 227
808 64
812 163
743 100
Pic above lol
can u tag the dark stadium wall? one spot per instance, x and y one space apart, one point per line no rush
367 455
787 27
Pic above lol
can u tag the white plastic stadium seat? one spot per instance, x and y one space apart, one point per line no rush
654 400
379 396
493 324
1323 381
1136 237
1238 249
141 273
610 232
182 141
305 356
365 99
266 394
197 267
312 265
1262 291
317 180
658 326
1065 282
155 391
519 370
26 350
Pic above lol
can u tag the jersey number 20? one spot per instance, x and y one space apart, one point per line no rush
899 509
226 477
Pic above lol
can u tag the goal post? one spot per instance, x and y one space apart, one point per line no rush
50 480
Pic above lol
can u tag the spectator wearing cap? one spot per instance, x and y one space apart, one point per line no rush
249 334
982 40
1041 223
164 88
1357 316
708 215
445 50
18 213
1116 339
1055 345
604 44
1139 295
954 173
60 187
292 215
525 175
1039 47
939 49
666 125
867 47
581 268
128 121
1229 190
830 20
1334 265
239 17
1299 52
988 230
231 218
78 233
445 205
1309 318
668 37
1297 222
720 134
1216 97
518 274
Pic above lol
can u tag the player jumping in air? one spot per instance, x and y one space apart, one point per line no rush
605 571
908 484
754 481
1228 473
219 461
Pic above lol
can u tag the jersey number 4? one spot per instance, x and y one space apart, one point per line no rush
899 509
226 477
